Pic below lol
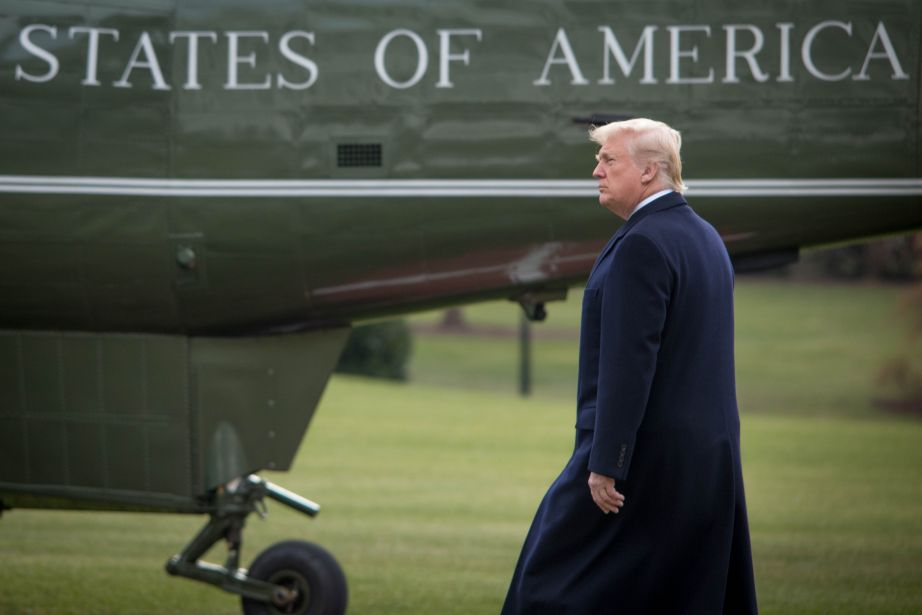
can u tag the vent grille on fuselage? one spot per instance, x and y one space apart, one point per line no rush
358 155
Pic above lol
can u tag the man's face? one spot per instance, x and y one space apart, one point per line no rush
620 185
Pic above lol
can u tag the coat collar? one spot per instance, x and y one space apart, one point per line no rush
667 201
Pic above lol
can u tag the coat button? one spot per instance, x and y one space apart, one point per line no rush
621 455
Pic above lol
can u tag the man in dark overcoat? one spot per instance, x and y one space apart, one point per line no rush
649 515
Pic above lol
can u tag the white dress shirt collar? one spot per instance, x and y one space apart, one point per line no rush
649 200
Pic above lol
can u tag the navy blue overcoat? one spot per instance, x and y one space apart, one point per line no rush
657 411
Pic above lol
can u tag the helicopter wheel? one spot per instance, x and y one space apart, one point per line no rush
315 582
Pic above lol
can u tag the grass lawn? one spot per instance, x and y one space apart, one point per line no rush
428 487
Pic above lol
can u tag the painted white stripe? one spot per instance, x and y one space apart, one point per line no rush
381 188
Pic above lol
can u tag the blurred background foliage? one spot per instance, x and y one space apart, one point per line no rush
378 350
901 376
896 259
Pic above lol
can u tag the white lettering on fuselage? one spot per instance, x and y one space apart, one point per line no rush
613 48
92 49
150 63
562 44
422 59
46 56
749 55
445 55
695 54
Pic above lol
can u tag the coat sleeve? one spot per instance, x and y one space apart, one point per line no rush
635 300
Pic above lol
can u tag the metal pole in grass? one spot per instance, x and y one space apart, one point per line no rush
524 356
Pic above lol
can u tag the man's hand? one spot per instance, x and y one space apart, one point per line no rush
604 494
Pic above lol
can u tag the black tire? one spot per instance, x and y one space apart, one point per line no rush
304 566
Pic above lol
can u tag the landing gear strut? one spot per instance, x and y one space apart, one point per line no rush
289 577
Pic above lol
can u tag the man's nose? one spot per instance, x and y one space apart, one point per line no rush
598 172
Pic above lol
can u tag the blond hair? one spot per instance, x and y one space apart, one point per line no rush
650 141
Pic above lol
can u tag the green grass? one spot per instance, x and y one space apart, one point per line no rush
835 514
814 349
428 490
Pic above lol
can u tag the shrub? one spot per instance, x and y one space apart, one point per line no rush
901 376
379 350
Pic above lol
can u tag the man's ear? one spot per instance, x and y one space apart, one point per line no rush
650 171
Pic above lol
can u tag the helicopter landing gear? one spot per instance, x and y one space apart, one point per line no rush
292 577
